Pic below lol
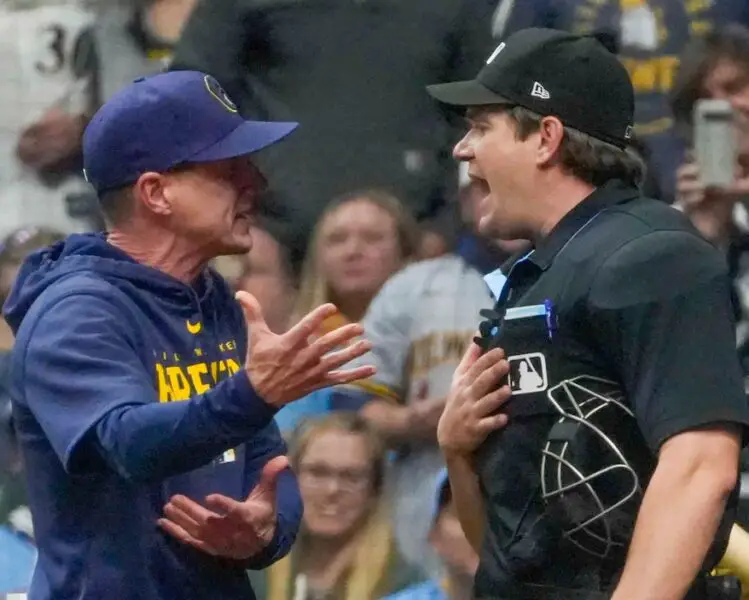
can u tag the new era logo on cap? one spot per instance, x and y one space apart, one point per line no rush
540 91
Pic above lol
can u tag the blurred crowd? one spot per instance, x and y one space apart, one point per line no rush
365 208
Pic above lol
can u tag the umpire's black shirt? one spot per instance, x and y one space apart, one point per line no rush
640 299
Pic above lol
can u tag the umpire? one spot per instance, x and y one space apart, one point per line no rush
592 432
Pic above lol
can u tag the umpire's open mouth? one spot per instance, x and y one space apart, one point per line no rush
479 184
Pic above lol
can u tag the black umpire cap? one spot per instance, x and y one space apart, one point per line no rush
553 73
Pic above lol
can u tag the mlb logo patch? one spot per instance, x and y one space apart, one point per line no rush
528 373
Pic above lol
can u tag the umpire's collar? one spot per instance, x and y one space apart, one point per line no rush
609 194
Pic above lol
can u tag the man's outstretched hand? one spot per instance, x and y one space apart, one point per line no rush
285 367
233 529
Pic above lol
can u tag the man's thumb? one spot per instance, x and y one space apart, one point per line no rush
253 313
269 475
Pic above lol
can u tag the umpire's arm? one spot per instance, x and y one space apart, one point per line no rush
660 312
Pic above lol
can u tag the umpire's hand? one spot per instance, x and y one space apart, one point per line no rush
476 396
283 368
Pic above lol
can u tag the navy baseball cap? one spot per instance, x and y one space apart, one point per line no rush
165 120
576 78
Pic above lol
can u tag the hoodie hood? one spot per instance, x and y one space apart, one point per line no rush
91 252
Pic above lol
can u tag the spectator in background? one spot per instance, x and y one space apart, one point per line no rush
345 548
47 95
420 323
652 35
458 558
137 39
362 238
13 250
271 274
353 73
718 67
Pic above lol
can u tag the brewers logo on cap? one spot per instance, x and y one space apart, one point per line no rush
215 89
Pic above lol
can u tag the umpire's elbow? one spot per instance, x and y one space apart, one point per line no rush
708 458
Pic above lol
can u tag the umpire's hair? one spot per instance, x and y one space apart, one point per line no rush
699 58
587 158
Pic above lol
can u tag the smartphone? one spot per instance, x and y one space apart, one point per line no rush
715 145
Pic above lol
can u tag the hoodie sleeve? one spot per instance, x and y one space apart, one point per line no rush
82 378
288 500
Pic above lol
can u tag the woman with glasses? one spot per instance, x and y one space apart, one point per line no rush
345 548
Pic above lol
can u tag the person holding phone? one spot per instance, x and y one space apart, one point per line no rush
612 471
715 67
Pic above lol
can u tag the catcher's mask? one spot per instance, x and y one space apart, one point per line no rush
595 466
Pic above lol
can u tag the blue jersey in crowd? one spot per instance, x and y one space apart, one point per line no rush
128 388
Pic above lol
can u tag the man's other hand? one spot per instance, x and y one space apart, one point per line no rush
233 529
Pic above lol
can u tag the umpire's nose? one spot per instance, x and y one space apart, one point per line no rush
463 150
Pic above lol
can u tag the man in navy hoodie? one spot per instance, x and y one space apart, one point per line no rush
143 407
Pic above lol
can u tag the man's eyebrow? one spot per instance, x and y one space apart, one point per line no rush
476 115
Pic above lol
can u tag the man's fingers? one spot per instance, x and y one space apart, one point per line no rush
490 378
341 357
183 536
192 509
266 486
484 363
692 188
222 504
337 337
253 313
688 171
179 517
344 376
471 355
340 336
492 402
271 470
489 424
310 324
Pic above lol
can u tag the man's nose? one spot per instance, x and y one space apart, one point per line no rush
463 150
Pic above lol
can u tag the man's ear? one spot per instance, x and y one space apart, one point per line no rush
152 189
550 138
